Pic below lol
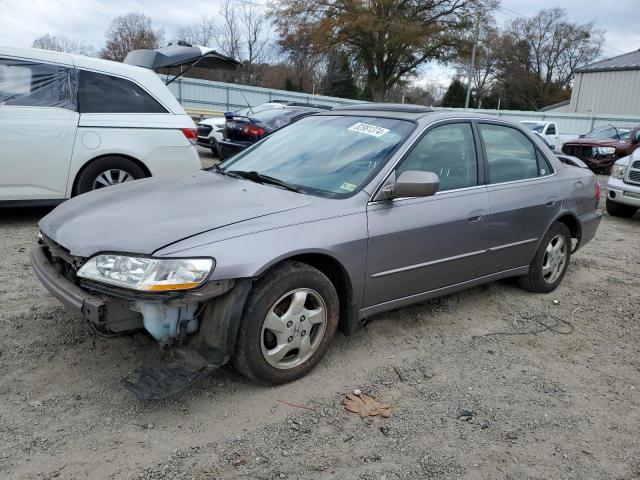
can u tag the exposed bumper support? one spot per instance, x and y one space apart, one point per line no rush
588 225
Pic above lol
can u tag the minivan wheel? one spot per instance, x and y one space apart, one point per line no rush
289 321
107 171
616 209
550 262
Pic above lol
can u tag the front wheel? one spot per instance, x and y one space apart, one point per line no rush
288 324
616 209
550 262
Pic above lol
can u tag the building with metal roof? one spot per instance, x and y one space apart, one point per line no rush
609 87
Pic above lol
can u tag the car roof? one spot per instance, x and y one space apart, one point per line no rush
143 76
404 111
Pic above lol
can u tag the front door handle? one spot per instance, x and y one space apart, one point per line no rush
475 216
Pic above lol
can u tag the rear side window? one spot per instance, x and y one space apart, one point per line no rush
33 84
100 93
551 129
510 154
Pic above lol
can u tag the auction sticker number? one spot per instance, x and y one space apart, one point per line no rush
372 130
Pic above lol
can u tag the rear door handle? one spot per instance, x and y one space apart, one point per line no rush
475 216
551 201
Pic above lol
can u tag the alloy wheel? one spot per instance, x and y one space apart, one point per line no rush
111 177
555 258
293 329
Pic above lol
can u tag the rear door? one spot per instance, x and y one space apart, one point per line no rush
523 194
418 245
38 122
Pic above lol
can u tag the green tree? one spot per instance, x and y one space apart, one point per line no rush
456 94
339 80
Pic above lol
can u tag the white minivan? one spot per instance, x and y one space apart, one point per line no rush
70 124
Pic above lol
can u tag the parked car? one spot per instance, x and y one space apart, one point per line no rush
210 130
602 146
326 222
70 124
549 131
242 131
566 159
623 186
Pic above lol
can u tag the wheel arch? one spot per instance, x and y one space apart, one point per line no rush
339 277
572 223
86 165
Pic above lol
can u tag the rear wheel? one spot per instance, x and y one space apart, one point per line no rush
288 324
550 262
107 171
616 209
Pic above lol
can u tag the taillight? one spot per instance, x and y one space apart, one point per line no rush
191 134
253 131
598 192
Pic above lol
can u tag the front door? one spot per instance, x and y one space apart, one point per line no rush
417 245
38 122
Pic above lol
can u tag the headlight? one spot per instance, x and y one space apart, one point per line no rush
605 150
618 171
147 274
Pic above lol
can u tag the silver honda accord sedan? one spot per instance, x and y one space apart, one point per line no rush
326 222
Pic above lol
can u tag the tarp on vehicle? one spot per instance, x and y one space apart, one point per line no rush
37 84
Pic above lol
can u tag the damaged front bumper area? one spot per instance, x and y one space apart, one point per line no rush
201 331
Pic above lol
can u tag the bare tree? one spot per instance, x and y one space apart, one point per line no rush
229 39
130 32
204 33
552 47
60 43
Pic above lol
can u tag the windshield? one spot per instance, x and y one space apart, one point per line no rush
246 111
609 132
330 156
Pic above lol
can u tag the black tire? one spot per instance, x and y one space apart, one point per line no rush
616 209
214 147
90 174
248 358
535 280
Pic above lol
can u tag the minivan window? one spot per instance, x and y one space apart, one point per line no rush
101 93
450 152
510 154
34 84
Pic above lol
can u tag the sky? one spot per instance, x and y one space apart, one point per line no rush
21 21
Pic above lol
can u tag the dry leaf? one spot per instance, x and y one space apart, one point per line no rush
365 406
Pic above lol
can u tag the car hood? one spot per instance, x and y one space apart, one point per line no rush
599 142
144 216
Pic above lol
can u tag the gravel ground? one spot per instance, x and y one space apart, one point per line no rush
493 382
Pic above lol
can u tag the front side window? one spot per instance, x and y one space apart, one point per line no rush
29 83
326 155
101 93
448 151
510 154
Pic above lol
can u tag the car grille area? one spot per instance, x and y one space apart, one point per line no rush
578 151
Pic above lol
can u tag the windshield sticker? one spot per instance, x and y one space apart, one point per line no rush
349 187
372 130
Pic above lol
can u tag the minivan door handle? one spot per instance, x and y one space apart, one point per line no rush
475 216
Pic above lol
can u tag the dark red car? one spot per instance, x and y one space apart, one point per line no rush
602 146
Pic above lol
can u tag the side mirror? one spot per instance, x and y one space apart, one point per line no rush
413 183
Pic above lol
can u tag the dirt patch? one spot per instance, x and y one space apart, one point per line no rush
530 402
